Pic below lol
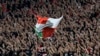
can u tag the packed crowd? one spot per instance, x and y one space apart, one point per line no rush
78 34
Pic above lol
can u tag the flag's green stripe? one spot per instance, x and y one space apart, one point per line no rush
39 34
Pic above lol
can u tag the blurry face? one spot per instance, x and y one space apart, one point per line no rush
1 38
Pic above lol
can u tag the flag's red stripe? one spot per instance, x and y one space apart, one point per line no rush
42 20
48 32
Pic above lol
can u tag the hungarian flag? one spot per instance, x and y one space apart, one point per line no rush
45 27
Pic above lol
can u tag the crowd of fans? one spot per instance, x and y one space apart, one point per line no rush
78 34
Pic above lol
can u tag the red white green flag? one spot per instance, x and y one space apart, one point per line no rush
45 27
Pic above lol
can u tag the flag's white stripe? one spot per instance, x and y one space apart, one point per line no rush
39 27
55 22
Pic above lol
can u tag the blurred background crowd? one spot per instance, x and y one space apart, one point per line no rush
78 34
